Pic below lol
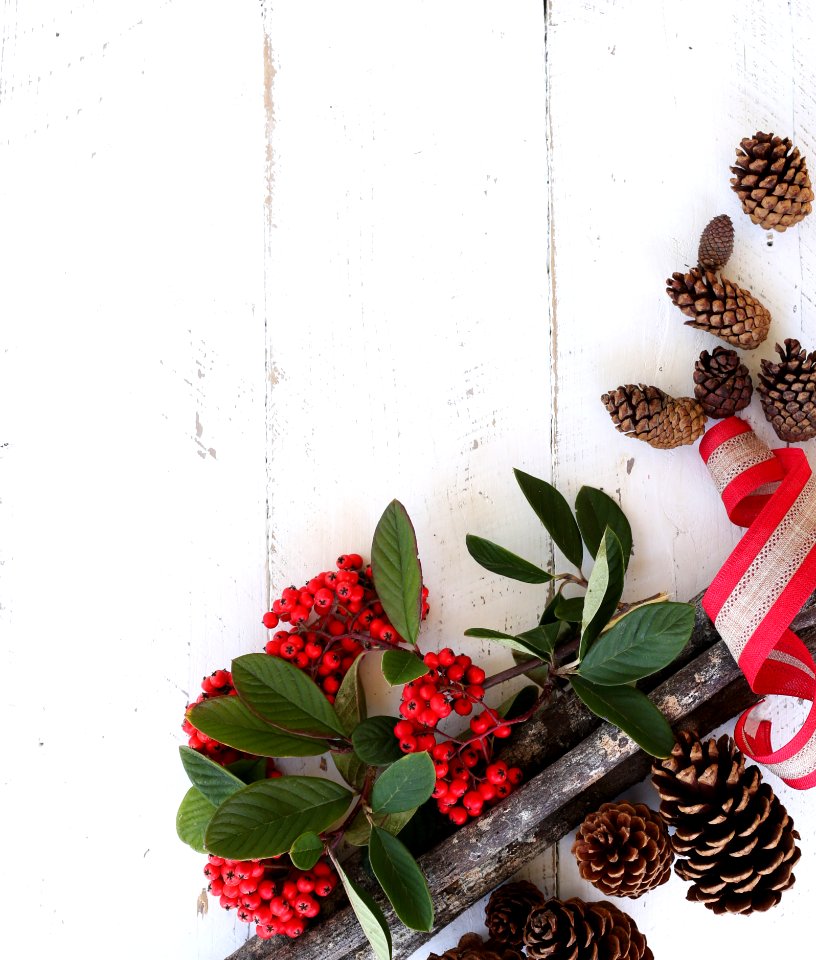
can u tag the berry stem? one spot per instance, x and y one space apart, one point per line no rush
516 671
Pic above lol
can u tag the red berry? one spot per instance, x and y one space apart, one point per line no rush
426 741
480 724
408 744
446 657
502 732
496 773
458 815
403 728
475 675
270 620
463 707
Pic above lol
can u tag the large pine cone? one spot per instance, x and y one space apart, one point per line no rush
624 849
716 243
507 911
772 181
647 413
787 391
738 839
720 307
472 947
722 384
575 930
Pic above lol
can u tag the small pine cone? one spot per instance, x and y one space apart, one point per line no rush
722 384
646 413
737 838
507 911
472 947
624 849
787 391
716 243
720 307
772 181
575 930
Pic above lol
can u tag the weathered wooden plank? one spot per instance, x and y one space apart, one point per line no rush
704 693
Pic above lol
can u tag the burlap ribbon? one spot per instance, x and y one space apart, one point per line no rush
764 583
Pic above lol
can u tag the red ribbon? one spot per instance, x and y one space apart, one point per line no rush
764 584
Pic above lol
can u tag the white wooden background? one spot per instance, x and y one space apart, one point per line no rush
266 266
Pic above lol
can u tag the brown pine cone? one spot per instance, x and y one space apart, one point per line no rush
472 947
772 181
720 307
716 243
575 930
508 908
737 838
624 849
787 391
646 413
722 384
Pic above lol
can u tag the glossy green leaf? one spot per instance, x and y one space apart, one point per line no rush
604 591
520 702
570 609
264 819
554 512
228 720
630 710
351 768
405 785
505 639
350 701
306 850
643 642
194 814
548 615
368 914
396 570
539 674
374 741
401 666
359 831
596 511
401 879
541 639
249 770
280 693
213 781
497 559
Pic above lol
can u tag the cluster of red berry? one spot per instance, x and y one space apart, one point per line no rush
218 684
279 899
466 779
330 619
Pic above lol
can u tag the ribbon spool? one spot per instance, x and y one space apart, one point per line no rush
764 583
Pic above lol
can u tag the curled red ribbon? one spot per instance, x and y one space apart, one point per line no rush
764 584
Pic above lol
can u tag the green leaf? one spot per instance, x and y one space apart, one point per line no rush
368 914
350 701
229 720
570 609
351 768
498 560
405 785
505 639
554 512
396 570
630 710
401 879
541 639
596 511
548 616
359 831
194 813
264 819
539 674
306 850
642 642
213 781
604 591
249 770
519 703
285 696
374 741
402 666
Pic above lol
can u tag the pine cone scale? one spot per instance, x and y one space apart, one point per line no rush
737 842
